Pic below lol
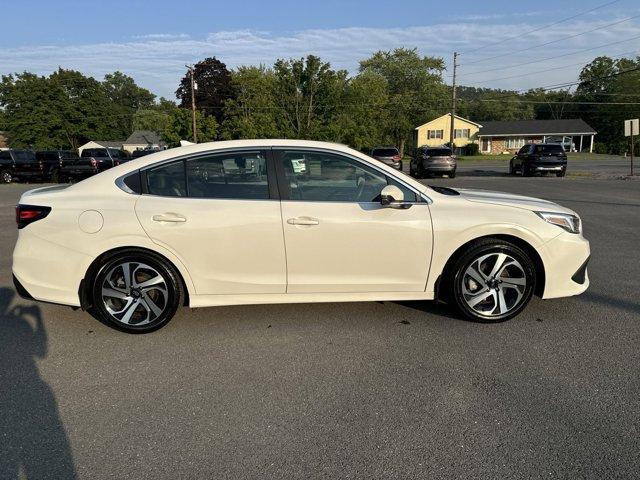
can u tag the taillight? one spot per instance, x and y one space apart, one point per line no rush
397 158
94 162
26 214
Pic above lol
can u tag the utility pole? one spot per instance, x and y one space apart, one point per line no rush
193 104
453 99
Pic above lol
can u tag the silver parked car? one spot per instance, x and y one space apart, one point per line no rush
433 160
389 156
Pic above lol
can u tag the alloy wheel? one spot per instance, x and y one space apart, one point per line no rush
134 293
6 177
494 284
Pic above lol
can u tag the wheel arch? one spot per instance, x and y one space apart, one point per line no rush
93 269
519 242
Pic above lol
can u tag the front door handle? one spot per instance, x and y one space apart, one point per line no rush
169 217
303 221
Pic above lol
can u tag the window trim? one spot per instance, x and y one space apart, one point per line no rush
266 151
273 171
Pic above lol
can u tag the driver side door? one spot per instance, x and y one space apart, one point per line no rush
338 236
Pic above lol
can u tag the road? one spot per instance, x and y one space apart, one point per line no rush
355 390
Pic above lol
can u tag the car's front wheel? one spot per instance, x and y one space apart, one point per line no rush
137 292
493 281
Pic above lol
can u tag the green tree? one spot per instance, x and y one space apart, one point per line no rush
156 117
253 113
309 94
364 117
415 89
126 98
179 127
214 87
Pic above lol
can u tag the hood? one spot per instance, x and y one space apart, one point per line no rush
511 200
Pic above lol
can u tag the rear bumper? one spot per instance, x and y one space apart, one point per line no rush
439 168
46 271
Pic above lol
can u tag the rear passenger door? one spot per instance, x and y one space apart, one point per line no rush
220 214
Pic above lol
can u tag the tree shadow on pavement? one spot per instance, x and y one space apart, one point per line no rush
33 442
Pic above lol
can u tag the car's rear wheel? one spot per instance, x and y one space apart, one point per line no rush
55 176
561 173
5 176
136 292
492 282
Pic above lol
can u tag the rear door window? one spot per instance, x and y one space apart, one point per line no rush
550 149
233 175
167 180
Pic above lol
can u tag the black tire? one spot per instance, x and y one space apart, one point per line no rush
561 173
143 318
511 170
55 176
5 176
400 167
462 289
452 174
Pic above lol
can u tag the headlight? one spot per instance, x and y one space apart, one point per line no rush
571 223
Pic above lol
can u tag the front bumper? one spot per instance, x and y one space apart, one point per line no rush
565 264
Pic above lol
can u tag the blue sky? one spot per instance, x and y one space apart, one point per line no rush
152 41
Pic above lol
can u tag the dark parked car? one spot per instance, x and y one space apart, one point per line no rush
433 160
388 155
142 153
52 162
19 164
92 161
539 158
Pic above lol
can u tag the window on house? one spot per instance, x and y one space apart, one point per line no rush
515 142
435 134
461 133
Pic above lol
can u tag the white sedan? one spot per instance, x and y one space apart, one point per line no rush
283 221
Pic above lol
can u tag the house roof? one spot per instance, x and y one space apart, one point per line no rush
144 137
107 143
449 115
573 126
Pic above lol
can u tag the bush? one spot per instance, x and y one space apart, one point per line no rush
471 149
600 147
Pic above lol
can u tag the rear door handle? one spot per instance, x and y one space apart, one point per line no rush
169 217
303 221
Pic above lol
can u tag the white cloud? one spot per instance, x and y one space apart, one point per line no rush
157 61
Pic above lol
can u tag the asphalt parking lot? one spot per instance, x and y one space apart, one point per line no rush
355 390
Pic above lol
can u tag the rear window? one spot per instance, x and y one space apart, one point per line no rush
24 155
438 152
549 149
385 152
95 152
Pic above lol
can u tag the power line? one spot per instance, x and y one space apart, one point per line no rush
552 58
634 52
551 41
542 27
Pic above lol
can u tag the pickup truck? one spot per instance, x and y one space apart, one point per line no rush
92 161
19 164
52 162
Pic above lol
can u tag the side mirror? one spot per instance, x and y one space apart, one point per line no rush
391 196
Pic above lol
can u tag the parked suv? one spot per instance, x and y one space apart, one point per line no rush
92 161
19 164
539 158
388 155
433 160
52 162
